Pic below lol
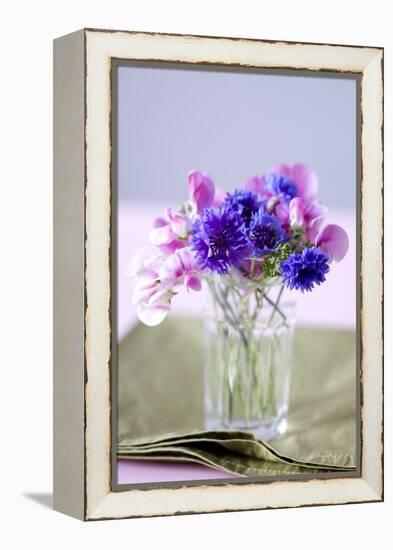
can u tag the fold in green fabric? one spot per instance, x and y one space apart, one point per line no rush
160 404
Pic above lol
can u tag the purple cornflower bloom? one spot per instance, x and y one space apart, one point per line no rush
301 271
265 233
245 203
280 186
219 239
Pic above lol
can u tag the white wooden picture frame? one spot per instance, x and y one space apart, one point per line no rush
82 255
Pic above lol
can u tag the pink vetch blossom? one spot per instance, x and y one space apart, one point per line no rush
180 268
201 190
333 241
170 231
304 178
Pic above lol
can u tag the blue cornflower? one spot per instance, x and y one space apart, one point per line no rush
280 185
219 239
265 233
301 271
246 203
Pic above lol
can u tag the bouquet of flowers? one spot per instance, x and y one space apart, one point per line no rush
248 246
271 230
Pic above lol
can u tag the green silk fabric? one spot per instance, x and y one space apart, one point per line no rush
160 404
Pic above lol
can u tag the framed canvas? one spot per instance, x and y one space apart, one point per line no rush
192 169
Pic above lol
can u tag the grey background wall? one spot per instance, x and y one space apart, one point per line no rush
232 125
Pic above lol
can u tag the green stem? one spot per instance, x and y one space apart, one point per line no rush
247 394
275 307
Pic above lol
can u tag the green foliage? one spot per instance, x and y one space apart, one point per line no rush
271 264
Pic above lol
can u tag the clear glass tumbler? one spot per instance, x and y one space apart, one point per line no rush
248 337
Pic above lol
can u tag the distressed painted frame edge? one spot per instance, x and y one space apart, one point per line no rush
69 274
87 493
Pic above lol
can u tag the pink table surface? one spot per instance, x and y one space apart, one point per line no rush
333 304
151 471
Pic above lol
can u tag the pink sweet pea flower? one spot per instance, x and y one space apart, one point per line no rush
155 277
281 210
179 222
219 197
296 212
180 268
146 290
145 263
314 214
192 282
152 301
201 190
257 185
153 310
308 215
333 241
170 232
304 178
